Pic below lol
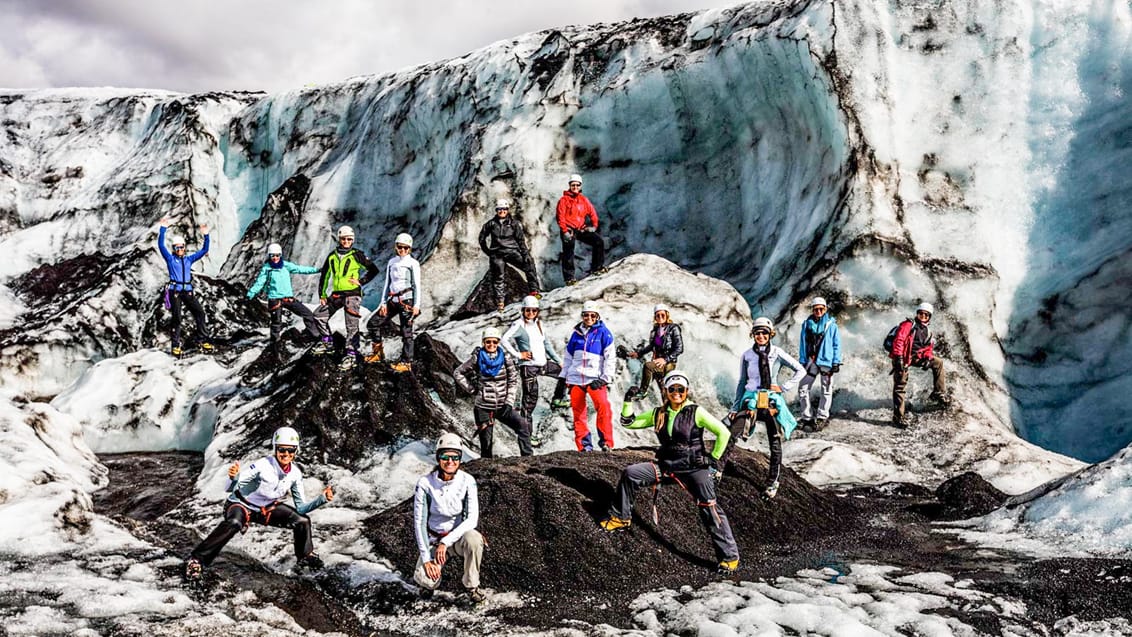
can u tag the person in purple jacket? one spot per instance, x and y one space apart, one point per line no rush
179 290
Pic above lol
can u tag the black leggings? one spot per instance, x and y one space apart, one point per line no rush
499 259
592 239
378 324
186 296
236 519
739 430
514 420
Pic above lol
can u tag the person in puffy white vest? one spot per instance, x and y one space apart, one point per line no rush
259 493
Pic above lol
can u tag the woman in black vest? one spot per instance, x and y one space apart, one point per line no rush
679 425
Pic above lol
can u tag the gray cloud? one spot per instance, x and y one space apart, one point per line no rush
266 45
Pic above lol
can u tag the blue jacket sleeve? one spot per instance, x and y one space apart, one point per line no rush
165 254
295 268
259 281
835 338
200 253
802 344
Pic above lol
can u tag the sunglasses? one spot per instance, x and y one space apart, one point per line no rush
589 314
450 457
499 209
530 310
288 450
761 333
922 313
491 341
345 240
275 256
399 248
178 247
677 389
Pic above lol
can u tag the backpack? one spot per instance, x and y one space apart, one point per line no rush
888 340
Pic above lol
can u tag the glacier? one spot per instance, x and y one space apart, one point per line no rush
966 153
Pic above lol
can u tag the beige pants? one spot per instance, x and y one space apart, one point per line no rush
470 548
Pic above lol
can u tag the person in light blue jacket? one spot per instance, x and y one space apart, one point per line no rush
276 276
819 349
179 290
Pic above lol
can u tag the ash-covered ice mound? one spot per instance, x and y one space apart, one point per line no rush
540 516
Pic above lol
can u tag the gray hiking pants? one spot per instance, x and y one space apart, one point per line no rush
697 483
352 305
814 372
469 548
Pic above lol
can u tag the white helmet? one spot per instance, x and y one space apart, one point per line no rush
530 301
675 377
449 441
491 332
285 436
274 248
660 307
345 231
403 239
925 307
575 178
502 203
590 306
818 301
763 321
177 240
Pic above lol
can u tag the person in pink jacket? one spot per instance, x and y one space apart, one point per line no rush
578 221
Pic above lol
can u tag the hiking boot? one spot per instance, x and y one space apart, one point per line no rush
312 562
819 424
206 347
571 282
901 422
475 595
600 271
320 348
499 306
193 569
634 393
942 400
770 491
606 448
615 523
728 567
560 403
807 426
401 367
177 351
348 361
378 354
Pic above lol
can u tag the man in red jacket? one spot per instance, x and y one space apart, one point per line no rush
913 347
578 221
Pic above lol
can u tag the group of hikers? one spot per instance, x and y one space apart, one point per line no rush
445 505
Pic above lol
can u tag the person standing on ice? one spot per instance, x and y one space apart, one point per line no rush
276 275
498 380
401 298
577 219
914 346
446 511
340 288
588 368
758 397
527 343
179 290
503 239
819 350
679 425
666 346
259 493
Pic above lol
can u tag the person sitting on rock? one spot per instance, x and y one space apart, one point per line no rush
179 290
342 276
401 298
758 397
666 346
504 241
527 343
446 511
577 219
258 494
819 350
914 346
498 380
589 366
679 424
276 275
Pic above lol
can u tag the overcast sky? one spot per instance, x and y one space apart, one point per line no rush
270 45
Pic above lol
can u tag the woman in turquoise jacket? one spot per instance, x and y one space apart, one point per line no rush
276 276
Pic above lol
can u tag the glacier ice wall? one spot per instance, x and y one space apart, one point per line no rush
966 153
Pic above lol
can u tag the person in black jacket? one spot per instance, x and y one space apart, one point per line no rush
666 346
504 241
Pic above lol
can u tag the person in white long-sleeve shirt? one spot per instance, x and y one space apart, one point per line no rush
445 516
529 345
401 298
258 493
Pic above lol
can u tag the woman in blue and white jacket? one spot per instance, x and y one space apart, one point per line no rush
276 275
759 395
819 350
588 368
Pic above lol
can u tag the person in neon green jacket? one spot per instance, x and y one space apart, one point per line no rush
275 274
679 425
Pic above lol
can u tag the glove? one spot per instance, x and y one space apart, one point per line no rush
622 351
716 474
836 368
598 384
